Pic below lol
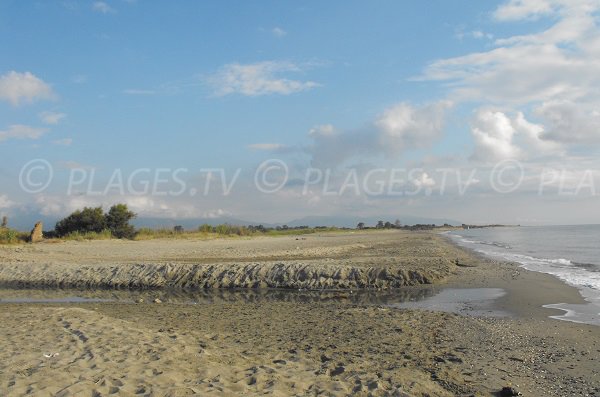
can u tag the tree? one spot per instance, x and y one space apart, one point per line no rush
82 221
117 221
397 224
361 225
4 222
379 225
388 225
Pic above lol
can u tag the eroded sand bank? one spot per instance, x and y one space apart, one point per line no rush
338 260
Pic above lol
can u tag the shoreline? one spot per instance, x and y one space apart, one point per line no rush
528 291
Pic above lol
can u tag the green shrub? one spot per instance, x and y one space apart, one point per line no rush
93 220
82 236
206 228
82 221
117 221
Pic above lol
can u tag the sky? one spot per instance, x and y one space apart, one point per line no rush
483 112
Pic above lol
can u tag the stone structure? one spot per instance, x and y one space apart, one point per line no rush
36 234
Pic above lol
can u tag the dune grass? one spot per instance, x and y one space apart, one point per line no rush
79 236
207 232
204 232
11 236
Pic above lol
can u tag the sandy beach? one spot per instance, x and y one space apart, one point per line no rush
260 342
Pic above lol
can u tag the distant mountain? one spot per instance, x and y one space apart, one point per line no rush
190 224
352 221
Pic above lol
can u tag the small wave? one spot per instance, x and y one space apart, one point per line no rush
559 261
495 244
590 267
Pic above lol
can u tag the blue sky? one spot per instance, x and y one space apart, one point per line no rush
424 86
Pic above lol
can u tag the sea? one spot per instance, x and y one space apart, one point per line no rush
571 253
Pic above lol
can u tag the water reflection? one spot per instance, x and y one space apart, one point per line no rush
362 297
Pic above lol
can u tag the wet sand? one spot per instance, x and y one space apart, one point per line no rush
310 346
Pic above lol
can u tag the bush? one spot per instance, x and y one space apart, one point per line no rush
82 221
206 228
117 221
93 221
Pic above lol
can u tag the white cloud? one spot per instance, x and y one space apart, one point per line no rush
5 202
51 117
63 142
498 136
424 180
404 126
564 59
398 128
322 130
570 122
102 7
493 134
19 131
522 9
17 87
262 78
278 32
475 34
478 34
551 74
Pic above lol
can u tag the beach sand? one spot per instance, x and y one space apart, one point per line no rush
310 346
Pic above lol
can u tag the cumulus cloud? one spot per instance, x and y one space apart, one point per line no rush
19 131
398 128
403 126
499 136
550 74
255 79
52 117
18 87
570 122
493 135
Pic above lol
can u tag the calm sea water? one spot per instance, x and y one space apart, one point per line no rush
571 253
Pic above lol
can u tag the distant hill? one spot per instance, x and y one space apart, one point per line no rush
190 224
